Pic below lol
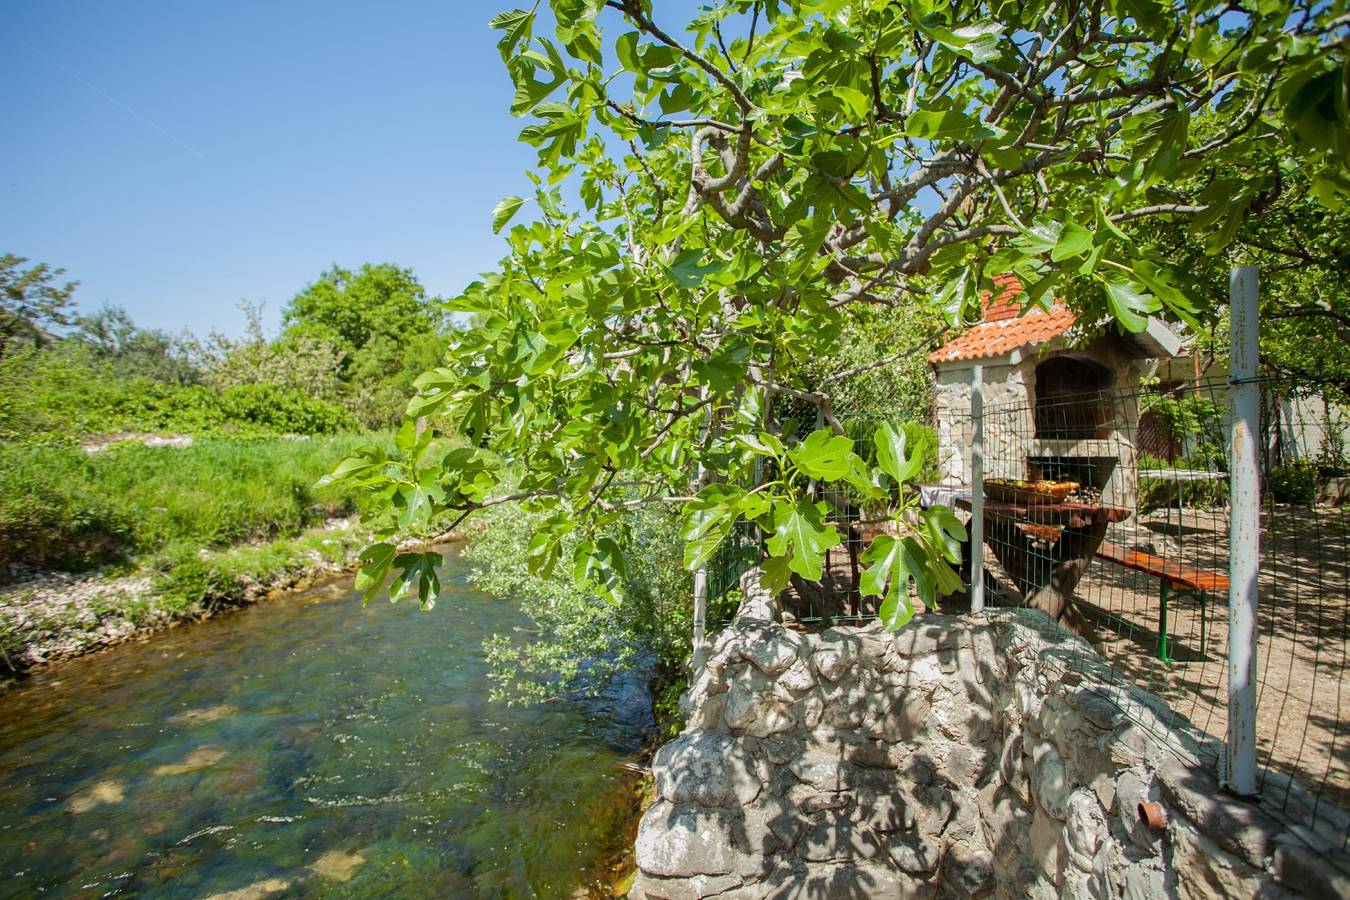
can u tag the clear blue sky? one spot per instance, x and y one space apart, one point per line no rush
177 157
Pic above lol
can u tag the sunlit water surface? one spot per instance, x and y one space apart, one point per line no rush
309 747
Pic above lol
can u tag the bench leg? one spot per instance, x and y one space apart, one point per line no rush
1162 623
1204 598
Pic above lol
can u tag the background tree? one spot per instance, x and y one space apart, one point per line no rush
303 362
1303 251
131 350
32 305
752 181
383 324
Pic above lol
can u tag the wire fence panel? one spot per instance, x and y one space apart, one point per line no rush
1108 508
1109 511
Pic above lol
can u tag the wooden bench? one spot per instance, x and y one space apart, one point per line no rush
1175 579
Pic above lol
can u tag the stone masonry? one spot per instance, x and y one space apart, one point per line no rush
955 758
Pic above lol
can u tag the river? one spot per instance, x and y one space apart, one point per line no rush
310 747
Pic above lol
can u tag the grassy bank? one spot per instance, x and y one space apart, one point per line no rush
58 615
99 547
67 510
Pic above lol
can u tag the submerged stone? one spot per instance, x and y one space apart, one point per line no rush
103 792
201 758
337 865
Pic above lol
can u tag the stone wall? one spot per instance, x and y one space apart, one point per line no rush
1009 404
954 758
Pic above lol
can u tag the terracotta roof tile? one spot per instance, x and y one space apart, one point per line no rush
1004 327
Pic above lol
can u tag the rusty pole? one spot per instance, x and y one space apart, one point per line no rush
1244 531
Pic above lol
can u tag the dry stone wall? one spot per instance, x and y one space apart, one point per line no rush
955 758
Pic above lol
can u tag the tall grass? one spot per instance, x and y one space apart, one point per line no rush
63 508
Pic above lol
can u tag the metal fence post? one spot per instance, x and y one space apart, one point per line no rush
1244 531
700 618
977 492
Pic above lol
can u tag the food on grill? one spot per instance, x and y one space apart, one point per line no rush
1087 494
1006 490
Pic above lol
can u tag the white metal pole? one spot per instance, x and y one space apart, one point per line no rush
1244 531
700 618
977 492
701 576
700 599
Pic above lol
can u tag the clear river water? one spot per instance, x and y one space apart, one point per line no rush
309 747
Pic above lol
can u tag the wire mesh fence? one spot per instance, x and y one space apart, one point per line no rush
1109 509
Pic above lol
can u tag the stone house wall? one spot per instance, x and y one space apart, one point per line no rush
955 758
1009 404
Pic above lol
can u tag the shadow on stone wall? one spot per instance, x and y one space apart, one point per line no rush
957 757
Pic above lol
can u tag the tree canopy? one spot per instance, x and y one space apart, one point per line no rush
750 182
349 309
32 303
384 327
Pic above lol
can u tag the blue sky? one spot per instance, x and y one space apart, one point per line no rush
177 157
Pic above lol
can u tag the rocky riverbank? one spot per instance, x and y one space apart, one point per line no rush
50 616
46 617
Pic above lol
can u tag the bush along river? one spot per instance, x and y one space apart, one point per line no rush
310 747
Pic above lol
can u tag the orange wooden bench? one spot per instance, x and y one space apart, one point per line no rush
1175 579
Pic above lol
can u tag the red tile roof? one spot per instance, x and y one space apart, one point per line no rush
1004 327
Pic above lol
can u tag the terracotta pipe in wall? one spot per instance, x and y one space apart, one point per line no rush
1152 814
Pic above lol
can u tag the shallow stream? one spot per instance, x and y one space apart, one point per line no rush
310 747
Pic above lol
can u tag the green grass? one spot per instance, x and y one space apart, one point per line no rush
189 580
61 508
188 584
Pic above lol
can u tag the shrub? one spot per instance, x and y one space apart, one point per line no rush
1294 483
66 393
1195 423
62 507
587 642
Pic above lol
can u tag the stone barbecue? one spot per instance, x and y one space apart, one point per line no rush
1053 410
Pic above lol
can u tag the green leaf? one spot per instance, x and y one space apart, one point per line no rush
863 480
1130 303
503 211
418 506
545 546
946 531
977 41
776 573
687 272
1165 144
517 24
1073 240
708 519
625 47
855 101
801 535
762 444
1160 280
891 458
366 465
752 506
418 576
823 455
892 564
599 566
374 569
1042 237
957 295
948 125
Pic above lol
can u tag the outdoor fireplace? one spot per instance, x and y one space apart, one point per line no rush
1054 408
1073 398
